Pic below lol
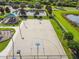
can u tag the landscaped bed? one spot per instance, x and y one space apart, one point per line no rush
5 42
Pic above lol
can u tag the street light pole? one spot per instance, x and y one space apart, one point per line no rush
13 48
19 52
13 57
21 33
37 44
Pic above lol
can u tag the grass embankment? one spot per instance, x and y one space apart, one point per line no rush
63 42
3 45
66 24
6 42
73 13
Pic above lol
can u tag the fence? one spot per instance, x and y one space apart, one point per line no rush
36 57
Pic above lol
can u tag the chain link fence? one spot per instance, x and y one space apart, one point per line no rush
35 57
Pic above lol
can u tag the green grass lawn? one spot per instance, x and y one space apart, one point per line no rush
66 24
60 36
70 8
2 16
4 44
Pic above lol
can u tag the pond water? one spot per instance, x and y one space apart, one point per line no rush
74 18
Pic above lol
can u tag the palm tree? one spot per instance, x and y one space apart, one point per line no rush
2 10
60 2
49 9
7 10
23 11
73 44
36 13
38 5
77 3
22 5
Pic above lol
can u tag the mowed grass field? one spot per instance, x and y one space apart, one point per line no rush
66 24
60 36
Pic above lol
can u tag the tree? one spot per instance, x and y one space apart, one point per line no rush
36 13
69 36
7 10
2 10
49 9
38 5
30 5
23 11
15 6
53 1
23 5
72 44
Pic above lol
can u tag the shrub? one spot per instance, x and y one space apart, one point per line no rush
30 5
49 9
15 6
22 5
38 6
2 10
69 36
7 10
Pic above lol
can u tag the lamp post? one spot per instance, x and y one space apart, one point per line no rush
37 44
21 33
25 25
13 57
19 52
13 49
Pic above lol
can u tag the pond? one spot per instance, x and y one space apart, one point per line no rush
74 18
